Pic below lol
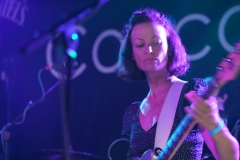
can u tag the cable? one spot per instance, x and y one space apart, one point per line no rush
31 103
113 143
3 131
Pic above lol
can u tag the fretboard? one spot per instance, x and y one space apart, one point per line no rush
183 129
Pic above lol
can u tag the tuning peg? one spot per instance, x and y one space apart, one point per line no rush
236 50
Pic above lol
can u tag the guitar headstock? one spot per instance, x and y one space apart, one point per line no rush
228 69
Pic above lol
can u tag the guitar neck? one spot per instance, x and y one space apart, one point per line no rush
228 69
183 129
177 138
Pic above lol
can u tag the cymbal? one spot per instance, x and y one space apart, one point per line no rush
57 154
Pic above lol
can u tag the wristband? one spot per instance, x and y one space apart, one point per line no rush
218 128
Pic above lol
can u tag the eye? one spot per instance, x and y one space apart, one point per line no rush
139 45
157 42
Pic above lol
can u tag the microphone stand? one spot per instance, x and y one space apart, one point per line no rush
76 18
56 34
61 45
8 78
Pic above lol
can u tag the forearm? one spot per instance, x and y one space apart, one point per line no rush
215 133
226 146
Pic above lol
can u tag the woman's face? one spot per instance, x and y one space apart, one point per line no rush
149 46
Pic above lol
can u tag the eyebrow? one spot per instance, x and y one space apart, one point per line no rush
155 37
151 38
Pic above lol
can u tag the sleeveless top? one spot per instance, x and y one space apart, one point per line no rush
141 140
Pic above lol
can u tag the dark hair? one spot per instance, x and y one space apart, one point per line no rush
177 57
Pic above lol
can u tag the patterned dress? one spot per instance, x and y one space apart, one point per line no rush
141 140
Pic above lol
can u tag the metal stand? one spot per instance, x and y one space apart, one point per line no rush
8 78
56 34
65 68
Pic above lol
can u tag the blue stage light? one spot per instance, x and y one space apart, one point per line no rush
74 36
72 53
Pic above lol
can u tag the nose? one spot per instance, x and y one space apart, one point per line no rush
149 50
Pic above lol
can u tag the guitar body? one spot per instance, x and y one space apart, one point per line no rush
148 155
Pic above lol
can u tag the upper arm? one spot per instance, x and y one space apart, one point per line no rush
130 111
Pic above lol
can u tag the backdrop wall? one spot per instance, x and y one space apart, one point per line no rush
98 97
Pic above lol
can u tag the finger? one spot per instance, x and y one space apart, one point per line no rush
188 110
193 97
212 102
199 105
198 116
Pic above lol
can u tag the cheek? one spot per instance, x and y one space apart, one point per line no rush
166 59
137 59
136 54
164 53
135 50
163 60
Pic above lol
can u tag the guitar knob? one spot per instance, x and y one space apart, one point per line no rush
157 151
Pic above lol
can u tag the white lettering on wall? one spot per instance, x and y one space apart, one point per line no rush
221 29
115 33
96 62
14 10
194 17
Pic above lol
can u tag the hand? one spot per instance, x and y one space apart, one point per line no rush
205 112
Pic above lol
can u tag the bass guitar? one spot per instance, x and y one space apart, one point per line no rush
228 69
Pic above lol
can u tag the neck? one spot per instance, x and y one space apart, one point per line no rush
160 85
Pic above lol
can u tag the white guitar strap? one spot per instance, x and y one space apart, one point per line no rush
167 115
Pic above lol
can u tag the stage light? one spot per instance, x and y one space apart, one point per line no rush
74 36
72 53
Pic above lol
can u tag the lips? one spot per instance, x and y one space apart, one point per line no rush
150 60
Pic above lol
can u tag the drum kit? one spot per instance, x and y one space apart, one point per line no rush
57 154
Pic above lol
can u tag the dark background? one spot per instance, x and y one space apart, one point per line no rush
98 97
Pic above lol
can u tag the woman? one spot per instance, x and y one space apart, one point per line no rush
152 50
